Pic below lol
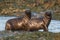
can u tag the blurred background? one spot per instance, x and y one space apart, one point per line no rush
17 7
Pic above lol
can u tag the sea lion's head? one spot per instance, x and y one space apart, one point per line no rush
28 13
48 14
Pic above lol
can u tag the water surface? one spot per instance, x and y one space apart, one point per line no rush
53 27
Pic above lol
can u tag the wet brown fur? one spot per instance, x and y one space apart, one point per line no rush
27 23
18 23
35 24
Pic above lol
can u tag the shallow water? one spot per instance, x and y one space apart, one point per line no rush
53 27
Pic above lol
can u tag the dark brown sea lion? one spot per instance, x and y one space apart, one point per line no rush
40 23
18 23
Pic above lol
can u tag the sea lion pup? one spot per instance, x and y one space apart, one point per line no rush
18 24
40 23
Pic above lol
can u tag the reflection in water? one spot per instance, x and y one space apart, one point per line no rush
53 27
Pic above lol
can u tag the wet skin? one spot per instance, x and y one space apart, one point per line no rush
27 23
